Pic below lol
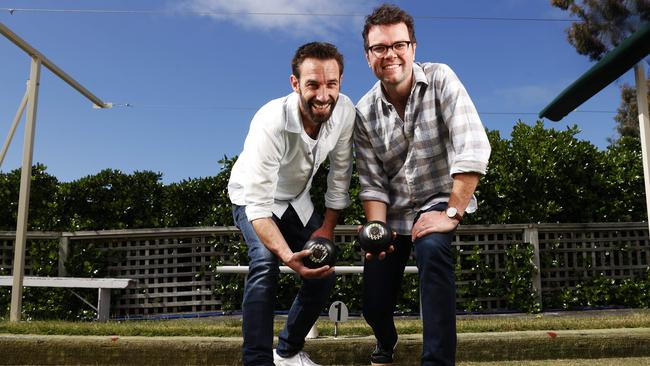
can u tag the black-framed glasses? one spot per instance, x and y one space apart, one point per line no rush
380 50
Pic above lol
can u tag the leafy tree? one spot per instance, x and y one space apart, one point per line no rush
202 201
627 116
540 175
43 207
112 200
624 185
603 24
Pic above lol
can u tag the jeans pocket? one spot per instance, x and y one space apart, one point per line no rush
437 207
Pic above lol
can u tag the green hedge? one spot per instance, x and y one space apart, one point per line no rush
538 175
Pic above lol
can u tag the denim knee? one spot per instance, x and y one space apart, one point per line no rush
318 290
434 247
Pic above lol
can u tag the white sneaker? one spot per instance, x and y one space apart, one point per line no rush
299 359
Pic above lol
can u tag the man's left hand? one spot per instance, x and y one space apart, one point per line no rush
433 222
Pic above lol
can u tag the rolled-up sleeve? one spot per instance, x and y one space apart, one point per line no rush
266 150
471 147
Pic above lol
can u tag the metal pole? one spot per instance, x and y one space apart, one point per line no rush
644 127
19 115
531 235
23 199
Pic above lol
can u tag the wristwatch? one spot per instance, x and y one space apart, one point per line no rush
452 213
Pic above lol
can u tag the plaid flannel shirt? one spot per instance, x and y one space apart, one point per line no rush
408 164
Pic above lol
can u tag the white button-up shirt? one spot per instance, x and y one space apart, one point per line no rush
279 160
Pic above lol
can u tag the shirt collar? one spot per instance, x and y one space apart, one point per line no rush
292 113
418 72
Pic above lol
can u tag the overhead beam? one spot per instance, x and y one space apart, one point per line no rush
611 67
34 53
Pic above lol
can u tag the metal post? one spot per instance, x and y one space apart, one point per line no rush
12 130
23 199
531 235
644 127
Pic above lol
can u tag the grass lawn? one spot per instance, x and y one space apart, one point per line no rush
632 361
231 326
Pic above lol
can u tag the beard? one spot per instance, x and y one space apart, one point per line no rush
318 115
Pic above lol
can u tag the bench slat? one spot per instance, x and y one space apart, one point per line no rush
71 282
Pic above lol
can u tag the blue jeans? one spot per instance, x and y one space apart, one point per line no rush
382 281
261 287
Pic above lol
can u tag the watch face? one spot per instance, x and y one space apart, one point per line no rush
452 211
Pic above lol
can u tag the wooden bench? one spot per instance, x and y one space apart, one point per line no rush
103 284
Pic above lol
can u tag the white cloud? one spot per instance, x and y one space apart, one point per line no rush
275 15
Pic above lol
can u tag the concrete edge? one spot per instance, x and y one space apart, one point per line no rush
495 346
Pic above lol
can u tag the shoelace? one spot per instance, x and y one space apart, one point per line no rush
304 357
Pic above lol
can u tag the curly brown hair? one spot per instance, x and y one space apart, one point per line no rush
317 50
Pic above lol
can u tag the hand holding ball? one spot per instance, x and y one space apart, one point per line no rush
323 252
375 237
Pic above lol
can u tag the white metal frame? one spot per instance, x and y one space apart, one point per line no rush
644 127
285 269
104 285
30 100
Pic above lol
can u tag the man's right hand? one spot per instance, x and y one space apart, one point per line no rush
382 255
295 262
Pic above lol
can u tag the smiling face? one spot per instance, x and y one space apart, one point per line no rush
395 71
318 87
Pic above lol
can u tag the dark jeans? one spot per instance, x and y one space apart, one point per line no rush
261 286
382 282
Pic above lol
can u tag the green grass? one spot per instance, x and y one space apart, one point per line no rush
631 361
231 326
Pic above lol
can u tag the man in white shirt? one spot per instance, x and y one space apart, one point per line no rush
269 187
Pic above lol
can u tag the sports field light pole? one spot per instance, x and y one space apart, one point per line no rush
30 101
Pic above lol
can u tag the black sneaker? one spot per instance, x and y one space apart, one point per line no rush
381 357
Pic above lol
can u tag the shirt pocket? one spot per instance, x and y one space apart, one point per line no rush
430 138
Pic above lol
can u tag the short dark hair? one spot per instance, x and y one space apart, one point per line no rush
317 50
388 14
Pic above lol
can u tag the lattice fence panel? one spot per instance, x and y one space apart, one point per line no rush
477 275
174 268
174 273
570 255
42 241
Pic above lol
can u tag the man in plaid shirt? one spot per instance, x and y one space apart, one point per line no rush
420 149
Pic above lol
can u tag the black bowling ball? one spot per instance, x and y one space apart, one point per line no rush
323 252
375 237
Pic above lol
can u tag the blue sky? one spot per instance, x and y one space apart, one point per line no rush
194 72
